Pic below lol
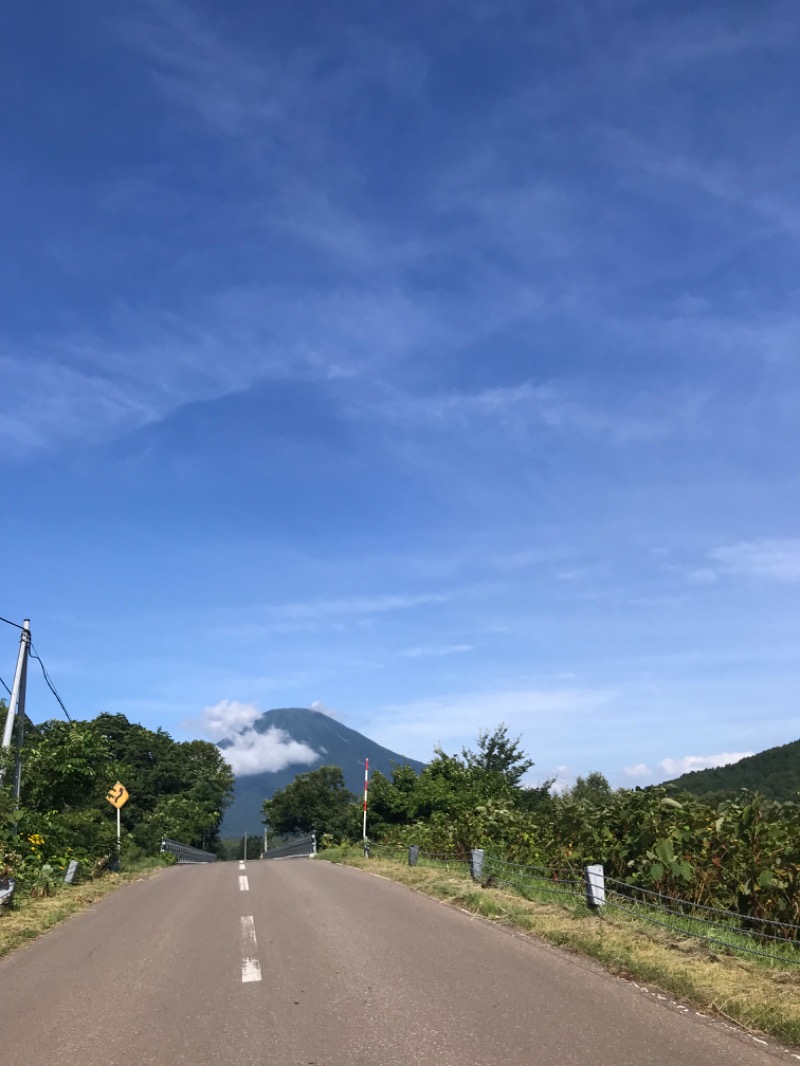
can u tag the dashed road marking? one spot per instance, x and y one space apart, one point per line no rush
251 967
244 885
247 934
251 970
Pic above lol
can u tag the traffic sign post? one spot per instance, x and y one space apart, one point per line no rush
118 797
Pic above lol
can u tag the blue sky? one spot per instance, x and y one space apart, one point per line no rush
435 363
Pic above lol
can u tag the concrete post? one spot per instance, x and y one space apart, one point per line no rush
595 879
476 864
413 854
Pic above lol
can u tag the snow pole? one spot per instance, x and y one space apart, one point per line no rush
366 791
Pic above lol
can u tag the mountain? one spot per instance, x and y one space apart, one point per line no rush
337 746
774 772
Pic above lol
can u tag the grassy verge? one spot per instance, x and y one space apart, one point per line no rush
760 999
32 916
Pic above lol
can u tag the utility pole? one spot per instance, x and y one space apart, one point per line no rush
244 856
16 703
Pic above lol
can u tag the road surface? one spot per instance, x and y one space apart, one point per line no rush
300 962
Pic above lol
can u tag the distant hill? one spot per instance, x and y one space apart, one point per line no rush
774 772
337 746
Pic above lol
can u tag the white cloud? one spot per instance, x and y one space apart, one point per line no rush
773 560
228 718
247 750
675 767
640 770
255 753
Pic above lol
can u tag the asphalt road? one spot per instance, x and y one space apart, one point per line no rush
301 962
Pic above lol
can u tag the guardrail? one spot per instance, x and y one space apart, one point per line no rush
302 847
185 854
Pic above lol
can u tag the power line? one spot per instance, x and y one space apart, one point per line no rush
50 685
5 686
8 622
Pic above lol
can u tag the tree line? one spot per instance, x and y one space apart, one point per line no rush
177 789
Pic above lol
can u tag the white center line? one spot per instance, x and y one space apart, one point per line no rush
251 967
243 884
248 935
241 865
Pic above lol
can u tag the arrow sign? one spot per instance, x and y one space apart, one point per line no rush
118 795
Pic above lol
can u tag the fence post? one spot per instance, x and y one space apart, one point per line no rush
7 886
476 863
69 876
313 843
595 879
413 854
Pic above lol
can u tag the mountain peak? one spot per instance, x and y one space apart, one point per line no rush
317 739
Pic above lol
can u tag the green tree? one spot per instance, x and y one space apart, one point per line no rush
498 753
594 788
317 800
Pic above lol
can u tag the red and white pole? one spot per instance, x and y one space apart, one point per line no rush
366 791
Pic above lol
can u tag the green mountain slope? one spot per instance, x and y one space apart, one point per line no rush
337 744
774 772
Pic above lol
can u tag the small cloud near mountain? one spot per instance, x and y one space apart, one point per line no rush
230 725
317 705
227 718
685 764
675 767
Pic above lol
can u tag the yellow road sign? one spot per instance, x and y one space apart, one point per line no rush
118 795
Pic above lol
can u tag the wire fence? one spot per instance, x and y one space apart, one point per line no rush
763 938
545 883
446 860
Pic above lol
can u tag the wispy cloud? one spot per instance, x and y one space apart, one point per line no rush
414 728
559 408
360 605
278 93
421 651
770 560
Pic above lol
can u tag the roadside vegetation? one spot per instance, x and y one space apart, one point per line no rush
741 854
177 790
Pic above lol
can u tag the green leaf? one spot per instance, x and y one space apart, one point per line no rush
663 849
